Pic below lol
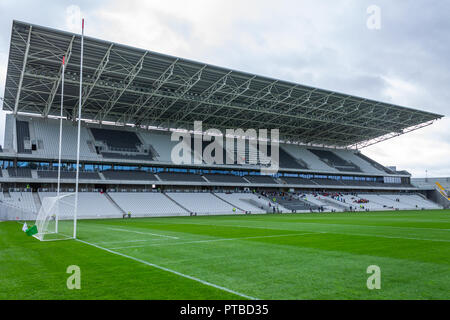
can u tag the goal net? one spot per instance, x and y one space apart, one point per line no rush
55 219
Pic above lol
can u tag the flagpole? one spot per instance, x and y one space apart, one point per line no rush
60 142
79 130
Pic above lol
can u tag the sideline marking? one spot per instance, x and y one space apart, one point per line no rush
314 223
336 232
127 241
390 237
139 232
222 239
171 271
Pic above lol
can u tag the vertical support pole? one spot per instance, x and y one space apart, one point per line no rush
60 143
79 132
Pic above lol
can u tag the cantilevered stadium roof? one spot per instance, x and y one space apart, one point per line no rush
135 86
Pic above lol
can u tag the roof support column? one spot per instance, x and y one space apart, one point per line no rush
25 58
54 90
88 89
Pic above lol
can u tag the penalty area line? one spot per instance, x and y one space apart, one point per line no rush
170 270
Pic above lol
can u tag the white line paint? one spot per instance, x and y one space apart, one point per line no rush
146 233
216 240
368 226
171 271
345 225
318 232
128 241
390 237
313 223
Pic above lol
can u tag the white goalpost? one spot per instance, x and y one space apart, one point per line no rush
58 188
79 133
57 217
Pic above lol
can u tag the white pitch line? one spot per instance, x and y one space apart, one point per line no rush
128 241
314 223
216 240
172 271
335 224
337 232
390 237
369 226
346 233
146 233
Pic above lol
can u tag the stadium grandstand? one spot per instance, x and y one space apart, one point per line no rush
134 99
437 189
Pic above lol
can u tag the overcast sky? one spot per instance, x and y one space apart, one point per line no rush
326 44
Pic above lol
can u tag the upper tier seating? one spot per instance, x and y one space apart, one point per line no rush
352 156
179 176
129 175
117 140
288 161
160 140
224 178
358 183
327 182
19 172
116 155
297 180
41 137
121 144
261 179
312 161
374 163
332 182
395 185
53 174
46 134
335 161
23 137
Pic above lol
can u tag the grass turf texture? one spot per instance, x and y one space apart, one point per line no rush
289 256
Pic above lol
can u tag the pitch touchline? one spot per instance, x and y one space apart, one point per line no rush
344 233
367 226
127 241
216 240
390 237
314 223
348 233
171 271
146 233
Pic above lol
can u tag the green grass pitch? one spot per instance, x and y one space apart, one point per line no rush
289 256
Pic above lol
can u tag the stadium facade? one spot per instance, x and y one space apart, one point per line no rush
134 99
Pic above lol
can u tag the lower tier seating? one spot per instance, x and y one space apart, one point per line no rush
153 204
